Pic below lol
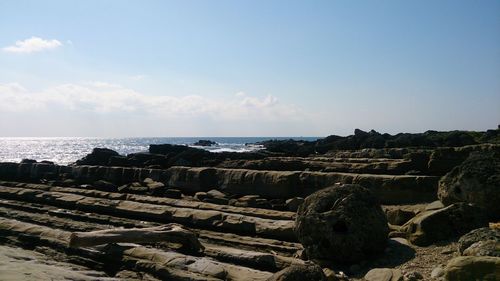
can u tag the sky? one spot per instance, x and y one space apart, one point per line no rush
247 68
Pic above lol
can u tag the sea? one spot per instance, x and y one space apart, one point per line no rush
66 150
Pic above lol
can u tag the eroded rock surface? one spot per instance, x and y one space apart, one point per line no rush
344 223
475 181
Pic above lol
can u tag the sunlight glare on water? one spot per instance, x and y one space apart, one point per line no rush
66 150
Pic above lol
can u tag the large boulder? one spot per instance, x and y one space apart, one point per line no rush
435 225
99 156
472 269
344 223
475 181
310 272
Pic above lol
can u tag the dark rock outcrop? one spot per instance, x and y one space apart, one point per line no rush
343 223
444 159
475 181
98 156
373 139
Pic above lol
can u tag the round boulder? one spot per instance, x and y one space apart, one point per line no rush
343 223
475 181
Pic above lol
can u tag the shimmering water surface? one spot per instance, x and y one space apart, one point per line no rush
65 150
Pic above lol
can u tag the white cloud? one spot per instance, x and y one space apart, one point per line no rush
106 98
31 45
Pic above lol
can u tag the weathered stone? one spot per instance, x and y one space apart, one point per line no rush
412 276
148 181
434 205
310 272
475 181
342 223
215 193
192 180
293 204
156 185
477 235
156 189
246 201
436 225
173 193
262 203
200 195
469 268
399 216
330 274
484 248
105 185
217 200
137 189
384 274
66 183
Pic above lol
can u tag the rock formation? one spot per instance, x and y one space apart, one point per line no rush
475 181
343 223
248 212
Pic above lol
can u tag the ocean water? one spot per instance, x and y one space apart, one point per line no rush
66 150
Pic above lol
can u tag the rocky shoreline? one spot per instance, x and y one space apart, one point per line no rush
259 215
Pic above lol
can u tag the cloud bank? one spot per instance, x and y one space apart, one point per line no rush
183 115
32 45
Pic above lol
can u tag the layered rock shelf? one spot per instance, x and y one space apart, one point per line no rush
391 189
242 209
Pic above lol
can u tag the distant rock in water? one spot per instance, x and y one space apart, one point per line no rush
205 143
167 149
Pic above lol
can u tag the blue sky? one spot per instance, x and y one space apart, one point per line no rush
247 68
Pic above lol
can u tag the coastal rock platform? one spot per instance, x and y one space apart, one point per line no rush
241 210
